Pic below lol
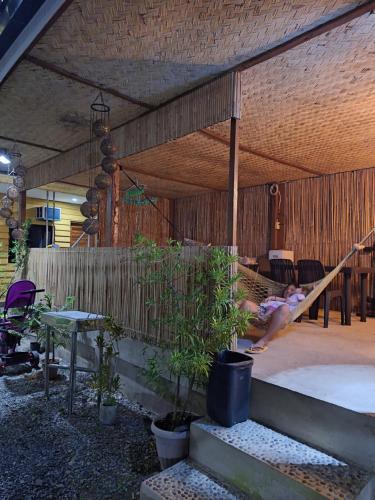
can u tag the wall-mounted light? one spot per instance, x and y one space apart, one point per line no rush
4 157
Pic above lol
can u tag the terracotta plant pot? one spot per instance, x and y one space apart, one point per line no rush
107 414
171 446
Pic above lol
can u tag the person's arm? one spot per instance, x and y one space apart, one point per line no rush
275 297
358 247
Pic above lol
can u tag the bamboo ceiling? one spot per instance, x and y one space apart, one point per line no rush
307 112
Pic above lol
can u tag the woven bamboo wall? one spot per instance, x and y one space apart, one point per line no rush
105 281
204 218
145 220
326 215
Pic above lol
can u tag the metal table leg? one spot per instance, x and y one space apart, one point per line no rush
46 363
363 297
99 400
72 372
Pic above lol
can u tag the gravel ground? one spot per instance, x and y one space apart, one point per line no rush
46 455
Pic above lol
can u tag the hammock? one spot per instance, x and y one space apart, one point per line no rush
258 287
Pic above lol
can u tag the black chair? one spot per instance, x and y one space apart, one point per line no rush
264 267
282 271
313 270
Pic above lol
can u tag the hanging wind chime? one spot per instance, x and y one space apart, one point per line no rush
18 172
99 129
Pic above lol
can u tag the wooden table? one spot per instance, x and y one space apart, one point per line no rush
72 322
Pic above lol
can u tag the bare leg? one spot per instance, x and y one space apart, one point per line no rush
247 305
279 319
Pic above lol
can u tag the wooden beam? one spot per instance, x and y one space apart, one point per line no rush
255 152
85 81
213 103
308 35
116 193
46 27
233 183
170 179
29 143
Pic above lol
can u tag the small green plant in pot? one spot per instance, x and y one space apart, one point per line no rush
106 381
196 305
60 336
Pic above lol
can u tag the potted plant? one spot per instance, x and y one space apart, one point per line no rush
35 326
201 317
106 382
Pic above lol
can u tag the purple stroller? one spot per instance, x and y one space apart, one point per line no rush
20 297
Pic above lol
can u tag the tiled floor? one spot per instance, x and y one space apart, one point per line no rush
335 364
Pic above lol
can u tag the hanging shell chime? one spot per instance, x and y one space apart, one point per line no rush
89 209
18 233
102 181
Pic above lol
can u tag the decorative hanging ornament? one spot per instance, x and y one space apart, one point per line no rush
20 170
11 223
19 182
93 195
17 234
89 209
90 226
102 181
5 212
12 192
100 128
109 164
107 147
7 203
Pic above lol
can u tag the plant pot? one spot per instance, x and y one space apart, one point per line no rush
228 390
52 370
171 446
107 414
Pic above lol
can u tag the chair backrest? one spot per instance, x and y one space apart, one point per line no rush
18 298
309 270
264 265
282 271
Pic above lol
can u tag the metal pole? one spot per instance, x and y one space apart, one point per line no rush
46 362
72 373
47 207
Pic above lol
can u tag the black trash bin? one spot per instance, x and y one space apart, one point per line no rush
228 390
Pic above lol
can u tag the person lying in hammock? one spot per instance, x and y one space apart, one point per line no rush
276 310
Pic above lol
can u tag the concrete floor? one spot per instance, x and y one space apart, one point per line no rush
335 364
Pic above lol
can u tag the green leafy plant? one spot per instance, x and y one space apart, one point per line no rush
21 251
106 381
197 305
34 324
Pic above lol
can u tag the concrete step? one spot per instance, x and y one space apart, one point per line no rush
266 464
185 480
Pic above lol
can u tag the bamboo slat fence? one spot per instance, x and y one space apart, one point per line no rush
106 281
204 218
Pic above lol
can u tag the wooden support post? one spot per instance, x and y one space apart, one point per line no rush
108 218
22 207
115 208
233 183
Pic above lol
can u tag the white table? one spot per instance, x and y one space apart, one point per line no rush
72 322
